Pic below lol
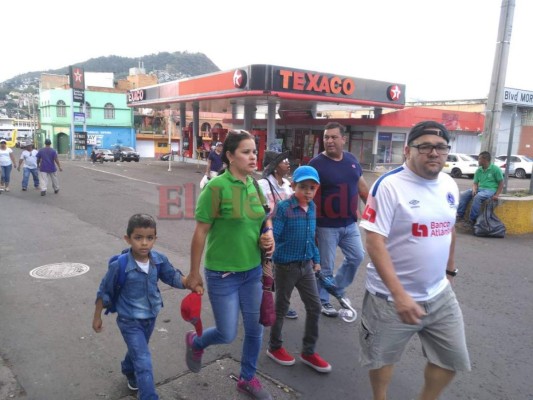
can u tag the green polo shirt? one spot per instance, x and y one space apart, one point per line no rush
488 178
235 213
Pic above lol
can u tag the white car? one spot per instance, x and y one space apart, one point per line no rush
459 164
106 154
498 163
520 164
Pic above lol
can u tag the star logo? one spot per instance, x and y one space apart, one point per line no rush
77 75
394 92
239 78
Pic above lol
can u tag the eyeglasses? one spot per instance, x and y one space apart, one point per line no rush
426 148
285 160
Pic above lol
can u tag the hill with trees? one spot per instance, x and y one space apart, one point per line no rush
167 66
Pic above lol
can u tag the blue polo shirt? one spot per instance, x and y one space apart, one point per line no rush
294 232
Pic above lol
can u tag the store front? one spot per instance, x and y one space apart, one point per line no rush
277 104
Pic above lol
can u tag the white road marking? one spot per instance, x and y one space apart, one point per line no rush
120 175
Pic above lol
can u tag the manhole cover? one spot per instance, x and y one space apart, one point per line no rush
59 270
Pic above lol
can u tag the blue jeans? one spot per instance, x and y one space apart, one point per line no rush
26 177
348 239
138 360
479 198
229 292
6 173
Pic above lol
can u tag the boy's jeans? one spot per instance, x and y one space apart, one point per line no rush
229 292
301 276
348 238
138 360
26 177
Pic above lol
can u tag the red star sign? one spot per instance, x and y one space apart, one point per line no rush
394 92
239 78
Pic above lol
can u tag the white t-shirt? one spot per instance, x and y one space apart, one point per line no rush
416 216
5 160
30 158
144 266
279 193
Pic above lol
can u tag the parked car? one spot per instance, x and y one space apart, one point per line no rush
521 165
499 163
124 153
459 164
104 155
23 141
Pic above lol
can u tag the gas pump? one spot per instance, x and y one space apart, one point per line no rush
186 146
260 145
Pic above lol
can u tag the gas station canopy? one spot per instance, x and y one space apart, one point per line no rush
295 93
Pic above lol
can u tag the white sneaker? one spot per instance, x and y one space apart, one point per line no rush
329 311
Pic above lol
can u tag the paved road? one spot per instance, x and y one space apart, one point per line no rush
47 343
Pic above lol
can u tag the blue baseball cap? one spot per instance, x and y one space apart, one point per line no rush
304 173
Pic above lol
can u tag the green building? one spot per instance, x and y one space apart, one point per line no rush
107 119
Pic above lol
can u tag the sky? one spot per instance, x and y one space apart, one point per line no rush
440 49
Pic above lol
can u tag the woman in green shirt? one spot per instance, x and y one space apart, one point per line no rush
229 216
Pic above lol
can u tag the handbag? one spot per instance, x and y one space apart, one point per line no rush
488 224
267 312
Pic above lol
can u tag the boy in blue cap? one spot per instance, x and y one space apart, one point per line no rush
296 259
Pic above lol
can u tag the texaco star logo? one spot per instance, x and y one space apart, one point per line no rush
77 75
394 92
239 78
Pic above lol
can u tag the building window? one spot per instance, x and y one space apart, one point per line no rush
87 109
109 111
61 110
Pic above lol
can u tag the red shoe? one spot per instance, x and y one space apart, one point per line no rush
281 356
316 362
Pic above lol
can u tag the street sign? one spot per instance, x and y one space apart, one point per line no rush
79 117
521 98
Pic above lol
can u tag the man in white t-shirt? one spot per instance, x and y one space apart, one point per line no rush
410 238
29 158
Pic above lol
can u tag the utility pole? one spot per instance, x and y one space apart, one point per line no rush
499 70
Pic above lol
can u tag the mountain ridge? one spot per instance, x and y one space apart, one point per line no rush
167 66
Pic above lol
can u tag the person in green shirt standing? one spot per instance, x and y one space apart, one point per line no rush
488 184
229 226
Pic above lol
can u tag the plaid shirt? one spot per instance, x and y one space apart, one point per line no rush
294 232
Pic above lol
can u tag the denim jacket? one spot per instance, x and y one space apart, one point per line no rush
140 297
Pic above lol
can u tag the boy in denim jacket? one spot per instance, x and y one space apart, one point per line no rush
139 300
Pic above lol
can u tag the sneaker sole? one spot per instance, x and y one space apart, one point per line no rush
132 388
248 393
330 314
291 316
188 359
319 369
280 362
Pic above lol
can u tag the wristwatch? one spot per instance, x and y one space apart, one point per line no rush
452 273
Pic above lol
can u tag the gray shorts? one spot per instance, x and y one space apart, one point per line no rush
383 336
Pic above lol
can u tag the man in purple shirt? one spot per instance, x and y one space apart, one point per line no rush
341 185
46 162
